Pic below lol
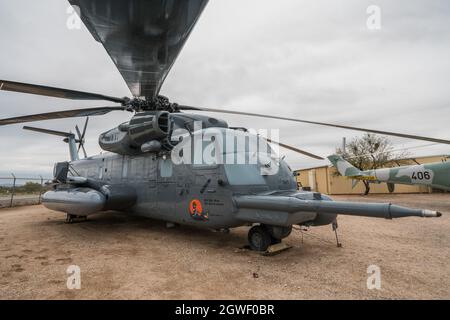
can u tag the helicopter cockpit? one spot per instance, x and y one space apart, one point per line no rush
247 158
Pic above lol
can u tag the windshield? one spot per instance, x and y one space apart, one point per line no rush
223 146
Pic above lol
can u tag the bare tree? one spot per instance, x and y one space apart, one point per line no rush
370 152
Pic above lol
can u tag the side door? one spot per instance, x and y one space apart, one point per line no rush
166 187
151 178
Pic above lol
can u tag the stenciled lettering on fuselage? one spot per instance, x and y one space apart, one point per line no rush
417 174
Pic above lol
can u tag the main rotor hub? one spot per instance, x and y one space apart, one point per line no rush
158 103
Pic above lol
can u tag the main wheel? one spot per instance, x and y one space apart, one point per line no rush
279 233
259 238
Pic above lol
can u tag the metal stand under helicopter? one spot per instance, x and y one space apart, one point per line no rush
71 218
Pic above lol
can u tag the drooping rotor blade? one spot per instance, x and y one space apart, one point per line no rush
47 131
388 133
62 114
142 37
295 149
54 92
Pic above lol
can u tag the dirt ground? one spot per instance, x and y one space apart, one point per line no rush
125 257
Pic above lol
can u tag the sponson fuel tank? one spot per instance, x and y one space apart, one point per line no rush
78 201
87 201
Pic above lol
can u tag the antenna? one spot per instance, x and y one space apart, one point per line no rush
344 146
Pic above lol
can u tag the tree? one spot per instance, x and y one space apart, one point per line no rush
30 187
370 152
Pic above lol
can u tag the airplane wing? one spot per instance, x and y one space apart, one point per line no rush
142 37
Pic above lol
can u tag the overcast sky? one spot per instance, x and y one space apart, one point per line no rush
310 59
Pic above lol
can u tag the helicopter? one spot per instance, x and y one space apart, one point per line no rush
150 168
434 175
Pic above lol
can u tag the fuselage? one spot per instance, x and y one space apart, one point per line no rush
213 178
191 194
435 175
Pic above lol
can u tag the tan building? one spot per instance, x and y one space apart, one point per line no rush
326 179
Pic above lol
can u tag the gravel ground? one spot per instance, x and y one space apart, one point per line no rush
134 258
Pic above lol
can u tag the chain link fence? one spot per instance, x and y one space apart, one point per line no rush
18 191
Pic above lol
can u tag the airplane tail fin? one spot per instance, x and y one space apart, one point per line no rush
344 167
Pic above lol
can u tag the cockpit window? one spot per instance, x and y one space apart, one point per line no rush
239 175
165 168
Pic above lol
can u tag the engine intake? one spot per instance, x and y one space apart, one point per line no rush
128 138
148 126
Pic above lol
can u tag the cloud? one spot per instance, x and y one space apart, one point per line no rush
308 59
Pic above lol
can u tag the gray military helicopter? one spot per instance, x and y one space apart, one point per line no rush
139 175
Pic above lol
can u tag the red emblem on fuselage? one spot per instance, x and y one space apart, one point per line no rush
196 210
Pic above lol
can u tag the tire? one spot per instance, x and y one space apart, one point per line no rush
279 233
259 238
274 241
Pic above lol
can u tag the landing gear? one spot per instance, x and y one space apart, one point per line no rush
335 227
278 233
267 239
71 218
259 238
170 225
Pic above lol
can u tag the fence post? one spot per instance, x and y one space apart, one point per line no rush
13 190
40 190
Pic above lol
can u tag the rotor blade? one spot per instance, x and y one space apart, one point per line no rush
85 128
388 133
142 37
78 132
84 150
295 149
62 114
54 92
47 131
80 141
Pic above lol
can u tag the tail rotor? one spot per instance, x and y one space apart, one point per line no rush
69 138
81 139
